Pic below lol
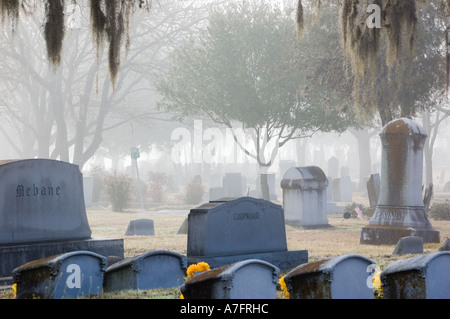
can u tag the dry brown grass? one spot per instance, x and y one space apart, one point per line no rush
343 238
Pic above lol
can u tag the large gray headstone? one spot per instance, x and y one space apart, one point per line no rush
41 200
249 279
421 277
400 211
69 275
231 230
239 226
342 277
305 197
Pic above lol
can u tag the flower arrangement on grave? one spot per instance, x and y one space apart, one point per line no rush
14 290
192 269
377 285
283 286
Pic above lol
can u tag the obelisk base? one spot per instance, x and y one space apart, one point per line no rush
390 235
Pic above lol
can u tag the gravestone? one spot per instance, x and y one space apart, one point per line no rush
140 227
233 185
445 246
68 275
216 193
400 211
152 270
88 188
231 230
342 189
183 230
43 213
333 167
421 277
373 189
341 277
305 197
409 245
249 279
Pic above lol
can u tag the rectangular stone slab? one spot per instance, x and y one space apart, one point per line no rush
41 200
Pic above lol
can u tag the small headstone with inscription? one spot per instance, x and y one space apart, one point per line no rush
341 277
400 210
68 275
152 270
249 279
231 230
420 277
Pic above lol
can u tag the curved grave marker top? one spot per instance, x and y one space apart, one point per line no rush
41 200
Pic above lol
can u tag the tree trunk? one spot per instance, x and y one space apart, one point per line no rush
265 193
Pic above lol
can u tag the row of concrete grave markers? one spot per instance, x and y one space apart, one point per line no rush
84 273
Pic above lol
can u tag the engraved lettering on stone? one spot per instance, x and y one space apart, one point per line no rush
34 191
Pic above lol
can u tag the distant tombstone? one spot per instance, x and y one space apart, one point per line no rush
373 189
68 275
231 230
304 197
333 167
233 185
400 210
152 270
421 277
43 213
342 277
88 189
140 227
183 228
216 193
330 190
409 245
445 246
342 189
249 279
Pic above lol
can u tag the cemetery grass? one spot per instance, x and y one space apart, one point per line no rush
342 239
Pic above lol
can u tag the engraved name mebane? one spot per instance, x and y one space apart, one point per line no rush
41 200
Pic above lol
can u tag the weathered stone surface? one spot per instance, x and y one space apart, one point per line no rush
41 200
305 197
341 277
400 204
67 275
409 245
249 279
140 227
420 277
152 270
231 230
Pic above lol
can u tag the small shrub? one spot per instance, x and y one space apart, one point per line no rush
350 208
194 191
118 188
157 186
440 210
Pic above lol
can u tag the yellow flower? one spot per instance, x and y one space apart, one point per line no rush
181 296
283 286
201 266
14 289
377 281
